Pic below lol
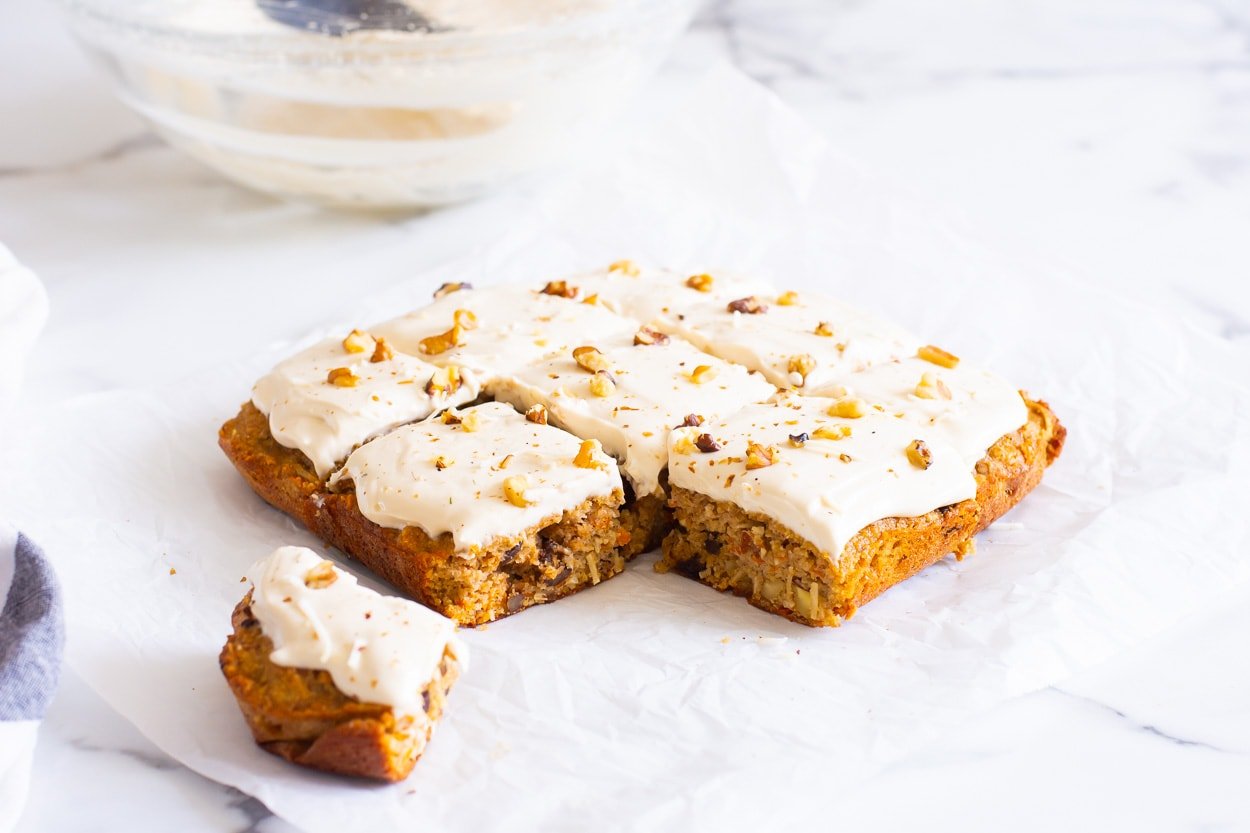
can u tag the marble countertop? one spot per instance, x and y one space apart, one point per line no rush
1111 136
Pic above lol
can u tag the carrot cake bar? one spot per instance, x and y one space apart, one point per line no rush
481 512
331 675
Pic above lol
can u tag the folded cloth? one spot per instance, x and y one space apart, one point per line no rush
31 629
32 636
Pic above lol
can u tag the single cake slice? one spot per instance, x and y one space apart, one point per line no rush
496 330
330 398
629 394
331 675
810 507
480 513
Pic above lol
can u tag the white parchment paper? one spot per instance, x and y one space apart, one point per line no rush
651 702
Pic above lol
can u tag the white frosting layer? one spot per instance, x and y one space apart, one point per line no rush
658 296
981 409
378 649
811 490
326 421
398 481
652 393
514 327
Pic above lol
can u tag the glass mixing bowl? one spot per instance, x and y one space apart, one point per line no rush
502 89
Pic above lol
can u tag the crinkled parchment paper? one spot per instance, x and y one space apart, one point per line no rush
651 702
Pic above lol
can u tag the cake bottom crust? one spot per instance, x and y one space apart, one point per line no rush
300 715
729 548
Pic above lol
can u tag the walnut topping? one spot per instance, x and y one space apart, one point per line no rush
588 456
445 380
560 289
602 383
703 283
938 356
465 319
684 441
832 432
845 458
749 305
691 421
648 336
589 358
703 373
441 462
918 454
823 329
625 267
801 365
760 456
343 377
357 341
849 407
450 417
514 491
593 300
800 439
321 576
537 413
706 443
471 421
448 288
787 299
382 352
441 343
931 387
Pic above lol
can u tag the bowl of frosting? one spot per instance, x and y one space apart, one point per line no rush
477 95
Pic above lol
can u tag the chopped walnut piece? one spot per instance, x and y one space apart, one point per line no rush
800 439
450 417
684 442
938 356
448 288
441 343
800 366
760 456
625 267
560 289
706 443
471 421
931 387
444 380
845 458
647 336
343 377
703 373
691 421
321 576
702 283
465 319
918 454
823 329
589 358
787 299
588 455
849 407
537 413
514 491
441 462
382 352
832 432
749 305
357 341
602 383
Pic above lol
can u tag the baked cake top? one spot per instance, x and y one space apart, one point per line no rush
497 330
379 649
326 400
479 474
629 394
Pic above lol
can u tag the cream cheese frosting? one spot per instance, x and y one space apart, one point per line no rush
652 388
327 419
378 649
492 475
502 329
823 489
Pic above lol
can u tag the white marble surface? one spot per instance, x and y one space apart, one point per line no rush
1113 136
